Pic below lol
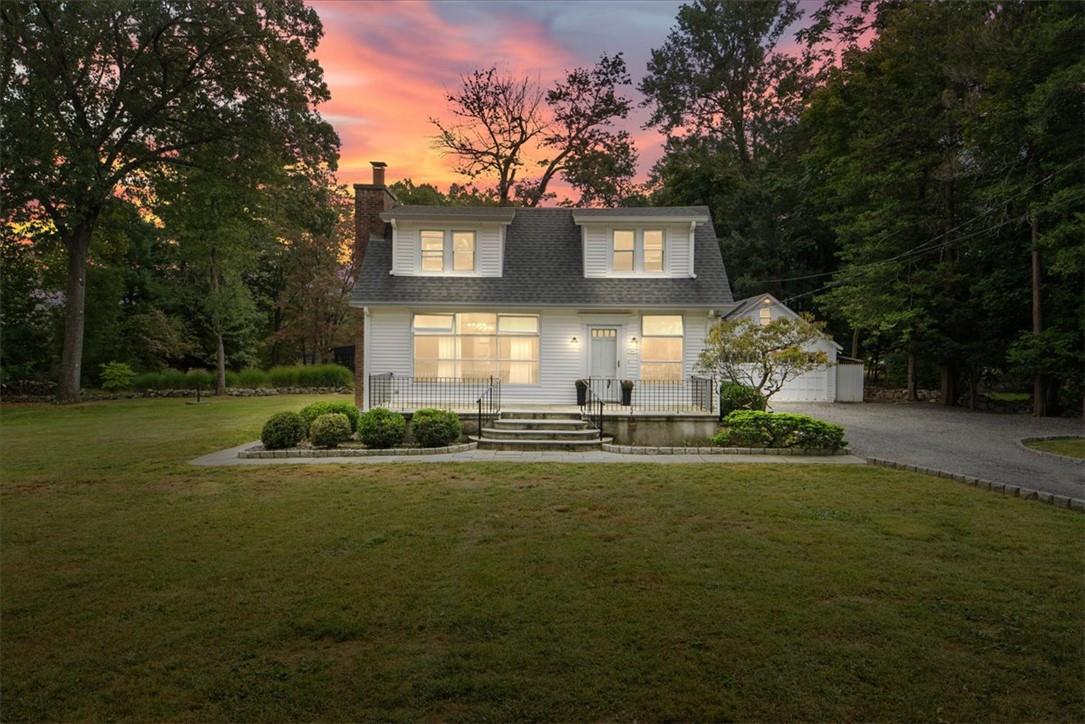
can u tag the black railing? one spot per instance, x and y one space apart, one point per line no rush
443 393
693 394
596 392
489 403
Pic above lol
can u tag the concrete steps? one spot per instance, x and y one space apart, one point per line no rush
539 430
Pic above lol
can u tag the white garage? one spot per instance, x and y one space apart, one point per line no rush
816 386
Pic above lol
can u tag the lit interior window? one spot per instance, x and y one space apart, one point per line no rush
653 250
433 251
623 251
661 347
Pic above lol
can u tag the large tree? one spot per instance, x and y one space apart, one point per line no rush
507 126
100 96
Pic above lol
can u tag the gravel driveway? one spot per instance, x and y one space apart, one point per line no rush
980 444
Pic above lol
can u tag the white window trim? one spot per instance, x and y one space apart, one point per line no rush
638 253
448 252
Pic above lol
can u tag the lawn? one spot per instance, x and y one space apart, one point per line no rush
135 586
1073 447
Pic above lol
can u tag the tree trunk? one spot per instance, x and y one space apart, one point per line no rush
949 384
855 343
912 397
71 359
220 366
1039 392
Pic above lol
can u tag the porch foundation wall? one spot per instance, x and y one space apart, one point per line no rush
660 429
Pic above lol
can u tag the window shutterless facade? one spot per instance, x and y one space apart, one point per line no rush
639 250
441 250
661 347
433 250
477 345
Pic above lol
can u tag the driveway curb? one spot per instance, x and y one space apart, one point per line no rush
1059 501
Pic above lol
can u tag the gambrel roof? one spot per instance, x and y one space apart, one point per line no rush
543 264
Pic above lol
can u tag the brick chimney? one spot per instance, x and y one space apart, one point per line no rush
369 201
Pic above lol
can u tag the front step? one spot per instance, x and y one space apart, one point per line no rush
520 423
538 415
485 443
582 433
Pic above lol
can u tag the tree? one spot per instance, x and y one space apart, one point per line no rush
504 127
762 356
102 96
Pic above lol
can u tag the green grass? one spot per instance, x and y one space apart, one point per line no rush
138 587
1073 447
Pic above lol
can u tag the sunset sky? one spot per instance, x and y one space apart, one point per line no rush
390 64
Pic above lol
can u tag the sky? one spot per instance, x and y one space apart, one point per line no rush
389 66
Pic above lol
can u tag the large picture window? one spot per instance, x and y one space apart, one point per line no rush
477 345
661 347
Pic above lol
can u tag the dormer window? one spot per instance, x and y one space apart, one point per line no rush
433 251
637 250
653 250
624 248
463 251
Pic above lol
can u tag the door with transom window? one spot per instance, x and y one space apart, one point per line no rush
603 363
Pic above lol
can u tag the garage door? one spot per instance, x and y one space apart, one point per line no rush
810 387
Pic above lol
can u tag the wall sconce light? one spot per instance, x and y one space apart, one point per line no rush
633 341
574 340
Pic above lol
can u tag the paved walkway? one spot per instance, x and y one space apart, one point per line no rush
229 457
967 442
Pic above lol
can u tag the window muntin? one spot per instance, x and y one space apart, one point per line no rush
653 250
764 315
483 345
661 347
463 251
433 250
623 251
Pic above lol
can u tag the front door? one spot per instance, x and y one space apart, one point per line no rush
604 363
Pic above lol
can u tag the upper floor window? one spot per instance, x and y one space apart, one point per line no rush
441 251
433 251
624 247
463 251
640 250
653 250
765 314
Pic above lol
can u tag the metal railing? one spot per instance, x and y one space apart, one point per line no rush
489 403
444 393
596 392
693 394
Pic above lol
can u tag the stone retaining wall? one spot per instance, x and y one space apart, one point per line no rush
96 395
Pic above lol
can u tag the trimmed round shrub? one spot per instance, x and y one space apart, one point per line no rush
739 397
329 429
117 376
435 428
315 410
380 428
753 428
283 430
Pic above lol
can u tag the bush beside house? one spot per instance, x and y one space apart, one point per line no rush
380 428
739 397
754 428
283 430
315 410
329 430
435 428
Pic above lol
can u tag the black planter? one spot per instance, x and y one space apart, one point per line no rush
581 392
627 392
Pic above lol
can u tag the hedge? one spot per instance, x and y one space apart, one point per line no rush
753 428
174 380
310 376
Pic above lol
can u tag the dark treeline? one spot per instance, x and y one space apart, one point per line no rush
910 172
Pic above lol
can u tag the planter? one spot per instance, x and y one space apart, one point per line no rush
581 392
627 392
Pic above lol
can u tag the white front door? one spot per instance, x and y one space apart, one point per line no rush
603 362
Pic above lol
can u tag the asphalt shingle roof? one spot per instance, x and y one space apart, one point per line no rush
544 266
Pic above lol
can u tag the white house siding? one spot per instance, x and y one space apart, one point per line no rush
598 244
488 247
389 348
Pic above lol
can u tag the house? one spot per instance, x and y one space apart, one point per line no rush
458 300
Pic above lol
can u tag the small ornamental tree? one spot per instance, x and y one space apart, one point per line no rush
762 357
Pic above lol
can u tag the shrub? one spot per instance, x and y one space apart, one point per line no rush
198 378
310 376
317 409
753 428
739 397
435 428
329 430
283 430
117 376
173 380
249 379
381 428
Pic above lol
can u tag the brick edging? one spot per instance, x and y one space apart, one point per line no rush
352 452
654 450
1037 438
1059 501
